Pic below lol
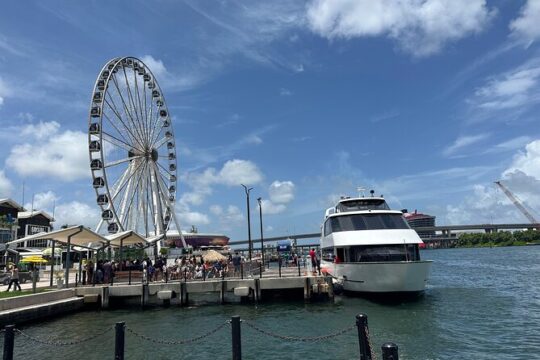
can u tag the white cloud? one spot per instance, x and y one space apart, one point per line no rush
254 139
236 172
270 208
155 65
76 213
463 142
527 26
4 91
488 204
285 92
40 130
193 218
527 161
43 201
513 89
6 187
512 144
420 27
281 192
60 155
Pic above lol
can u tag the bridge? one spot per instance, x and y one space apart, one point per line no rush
447 234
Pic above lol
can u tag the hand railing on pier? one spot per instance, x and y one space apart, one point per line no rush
366 351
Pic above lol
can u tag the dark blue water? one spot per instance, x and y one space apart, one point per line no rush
480 304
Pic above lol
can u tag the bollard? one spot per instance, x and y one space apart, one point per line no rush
129 276
236 338
279 262
242 270
119 340
260 270
389 351
298 265
166 277
9 342
76 280
363 342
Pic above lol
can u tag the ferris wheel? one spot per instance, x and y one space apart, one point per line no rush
132 150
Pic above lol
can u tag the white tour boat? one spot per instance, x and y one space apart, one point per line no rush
372 249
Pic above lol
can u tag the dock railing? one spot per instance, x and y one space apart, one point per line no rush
366 351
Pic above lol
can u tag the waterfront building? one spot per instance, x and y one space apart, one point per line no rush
8 220
417 220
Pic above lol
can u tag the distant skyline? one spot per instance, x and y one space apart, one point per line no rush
427 102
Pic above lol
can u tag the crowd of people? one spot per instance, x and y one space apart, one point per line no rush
188 267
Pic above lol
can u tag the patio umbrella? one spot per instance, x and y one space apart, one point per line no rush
34 259
48 252
212 256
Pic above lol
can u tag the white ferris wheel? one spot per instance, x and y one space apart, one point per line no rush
132 150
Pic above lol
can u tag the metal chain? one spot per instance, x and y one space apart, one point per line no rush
369 343
52 342
177 342
303 339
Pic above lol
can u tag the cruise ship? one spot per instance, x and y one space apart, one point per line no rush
371 249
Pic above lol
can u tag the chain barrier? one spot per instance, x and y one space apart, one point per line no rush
52 342
177 342
369 343
302 339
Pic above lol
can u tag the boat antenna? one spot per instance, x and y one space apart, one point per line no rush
361 191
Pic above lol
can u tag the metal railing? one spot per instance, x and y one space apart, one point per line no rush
366 351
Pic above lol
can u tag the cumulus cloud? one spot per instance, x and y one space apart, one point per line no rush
155 65
488 203
270 208
43 201
233 173
420 27
229 217
527 26
6 187
528 161
236 172
281 192
76 213
188 217
51 153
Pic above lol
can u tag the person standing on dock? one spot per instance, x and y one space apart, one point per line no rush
237 262
14 279
313 256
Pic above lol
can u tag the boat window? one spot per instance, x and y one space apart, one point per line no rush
378 253
366 222
328 254
327 228
363 204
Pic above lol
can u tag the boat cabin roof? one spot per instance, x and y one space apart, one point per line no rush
348 204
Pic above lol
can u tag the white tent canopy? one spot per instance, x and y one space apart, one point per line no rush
126 238
75 235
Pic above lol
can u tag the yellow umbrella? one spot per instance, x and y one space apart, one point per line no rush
34 259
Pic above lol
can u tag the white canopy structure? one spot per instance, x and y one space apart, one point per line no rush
74 235
126 238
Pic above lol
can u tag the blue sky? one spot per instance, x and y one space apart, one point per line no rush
426 101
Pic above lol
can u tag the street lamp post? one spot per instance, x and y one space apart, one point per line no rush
250 245
260 221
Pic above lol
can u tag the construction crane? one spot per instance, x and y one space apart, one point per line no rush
518 204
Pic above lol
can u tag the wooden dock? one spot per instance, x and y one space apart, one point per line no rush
179 292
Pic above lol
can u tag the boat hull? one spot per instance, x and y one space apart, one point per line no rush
381 277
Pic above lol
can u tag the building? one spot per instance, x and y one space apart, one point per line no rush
9 210
417 220
33 222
